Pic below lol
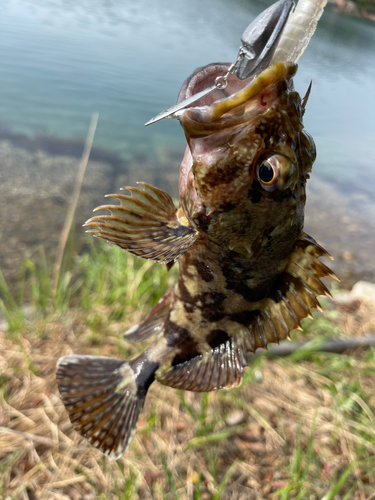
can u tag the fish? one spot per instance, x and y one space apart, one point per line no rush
248 273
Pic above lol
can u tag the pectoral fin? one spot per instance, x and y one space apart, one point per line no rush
146 224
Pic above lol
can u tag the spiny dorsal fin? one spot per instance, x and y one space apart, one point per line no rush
103 400
219 368
293 296
146 224
152 323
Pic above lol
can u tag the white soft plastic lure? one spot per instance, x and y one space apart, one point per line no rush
298 30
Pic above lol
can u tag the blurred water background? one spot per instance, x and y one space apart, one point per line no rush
62 60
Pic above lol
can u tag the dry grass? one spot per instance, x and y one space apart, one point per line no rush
297 428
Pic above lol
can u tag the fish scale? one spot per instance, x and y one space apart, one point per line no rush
248 273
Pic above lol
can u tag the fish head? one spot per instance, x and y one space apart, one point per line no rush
248 158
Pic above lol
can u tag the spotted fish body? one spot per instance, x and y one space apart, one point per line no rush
247 272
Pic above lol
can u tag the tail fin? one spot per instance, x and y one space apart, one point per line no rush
103 398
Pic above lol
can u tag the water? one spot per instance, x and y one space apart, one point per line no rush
61 60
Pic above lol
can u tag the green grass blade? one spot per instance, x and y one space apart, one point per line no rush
227 476
335 488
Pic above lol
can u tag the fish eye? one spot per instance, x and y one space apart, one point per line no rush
266 173
275 171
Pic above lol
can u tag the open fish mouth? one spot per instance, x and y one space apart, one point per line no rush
238 103
228 86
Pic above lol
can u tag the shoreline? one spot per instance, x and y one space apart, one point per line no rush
349 7
36 186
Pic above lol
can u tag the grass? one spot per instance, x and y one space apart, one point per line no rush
302 427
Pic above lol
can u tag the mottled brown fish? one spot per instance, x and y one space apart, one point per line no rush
248 273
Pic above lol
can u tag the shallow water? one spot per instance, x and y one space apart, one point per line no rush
61 60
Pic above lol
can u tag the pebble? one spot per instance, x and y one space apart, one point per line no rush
364 290
235 417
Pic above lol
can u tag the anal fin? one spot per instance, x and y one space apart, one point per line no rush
103 400
146 224
219 368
